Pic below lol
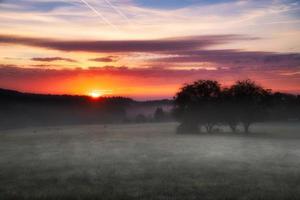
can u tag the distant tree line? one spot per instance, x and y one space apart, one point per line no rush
159 115
23 109
205 104
19 109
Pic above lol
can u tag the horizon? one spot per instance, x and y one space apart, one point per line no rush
141 98
150 99
146 50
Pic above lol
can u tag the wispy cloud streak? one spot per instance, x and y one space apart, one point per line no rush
52 59
166 45
118 11
99 14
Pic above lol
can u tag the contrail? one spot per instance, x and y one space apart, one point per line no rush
118 11
99 14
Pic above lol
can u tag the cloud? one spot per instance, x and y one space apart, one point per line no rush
161 74
134 82
105 59
104 46
236 58
52 59
37 5
187 51
177 4
21 71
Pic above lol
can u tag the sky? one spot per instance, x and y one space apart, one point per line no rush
147 49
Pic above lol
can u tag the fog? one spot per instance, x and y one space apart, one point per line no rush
208 143
149 161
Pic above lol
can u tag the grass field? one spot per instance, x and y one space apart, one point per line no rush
149 161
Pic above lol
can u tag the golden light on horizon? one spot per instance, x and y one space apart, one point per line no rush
95 94
99 93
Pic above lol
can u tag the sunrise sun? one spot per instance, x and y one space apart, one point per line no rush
95 94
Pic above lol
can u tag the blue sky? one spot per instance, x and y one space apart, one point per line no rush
48 5
160 4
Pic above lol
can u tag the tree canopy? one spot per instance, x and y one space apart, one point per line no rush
204 104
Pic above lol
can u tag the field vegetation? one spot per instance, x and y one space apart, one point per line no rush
150 161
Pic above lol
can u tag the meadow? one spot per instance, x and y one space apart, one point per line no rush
150 161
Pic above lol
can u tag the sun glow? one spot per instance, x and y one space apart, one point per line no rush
99 93
95 94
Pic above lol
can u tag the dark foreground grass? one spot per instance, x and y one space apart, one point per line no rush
149 162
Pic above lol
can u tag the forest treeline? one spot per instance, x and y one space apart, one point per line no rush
205 104
25 109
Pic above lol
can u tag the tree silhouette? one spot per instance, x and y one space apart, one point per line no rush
197 104
204 103
229 110
159 115
251 102
285 106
